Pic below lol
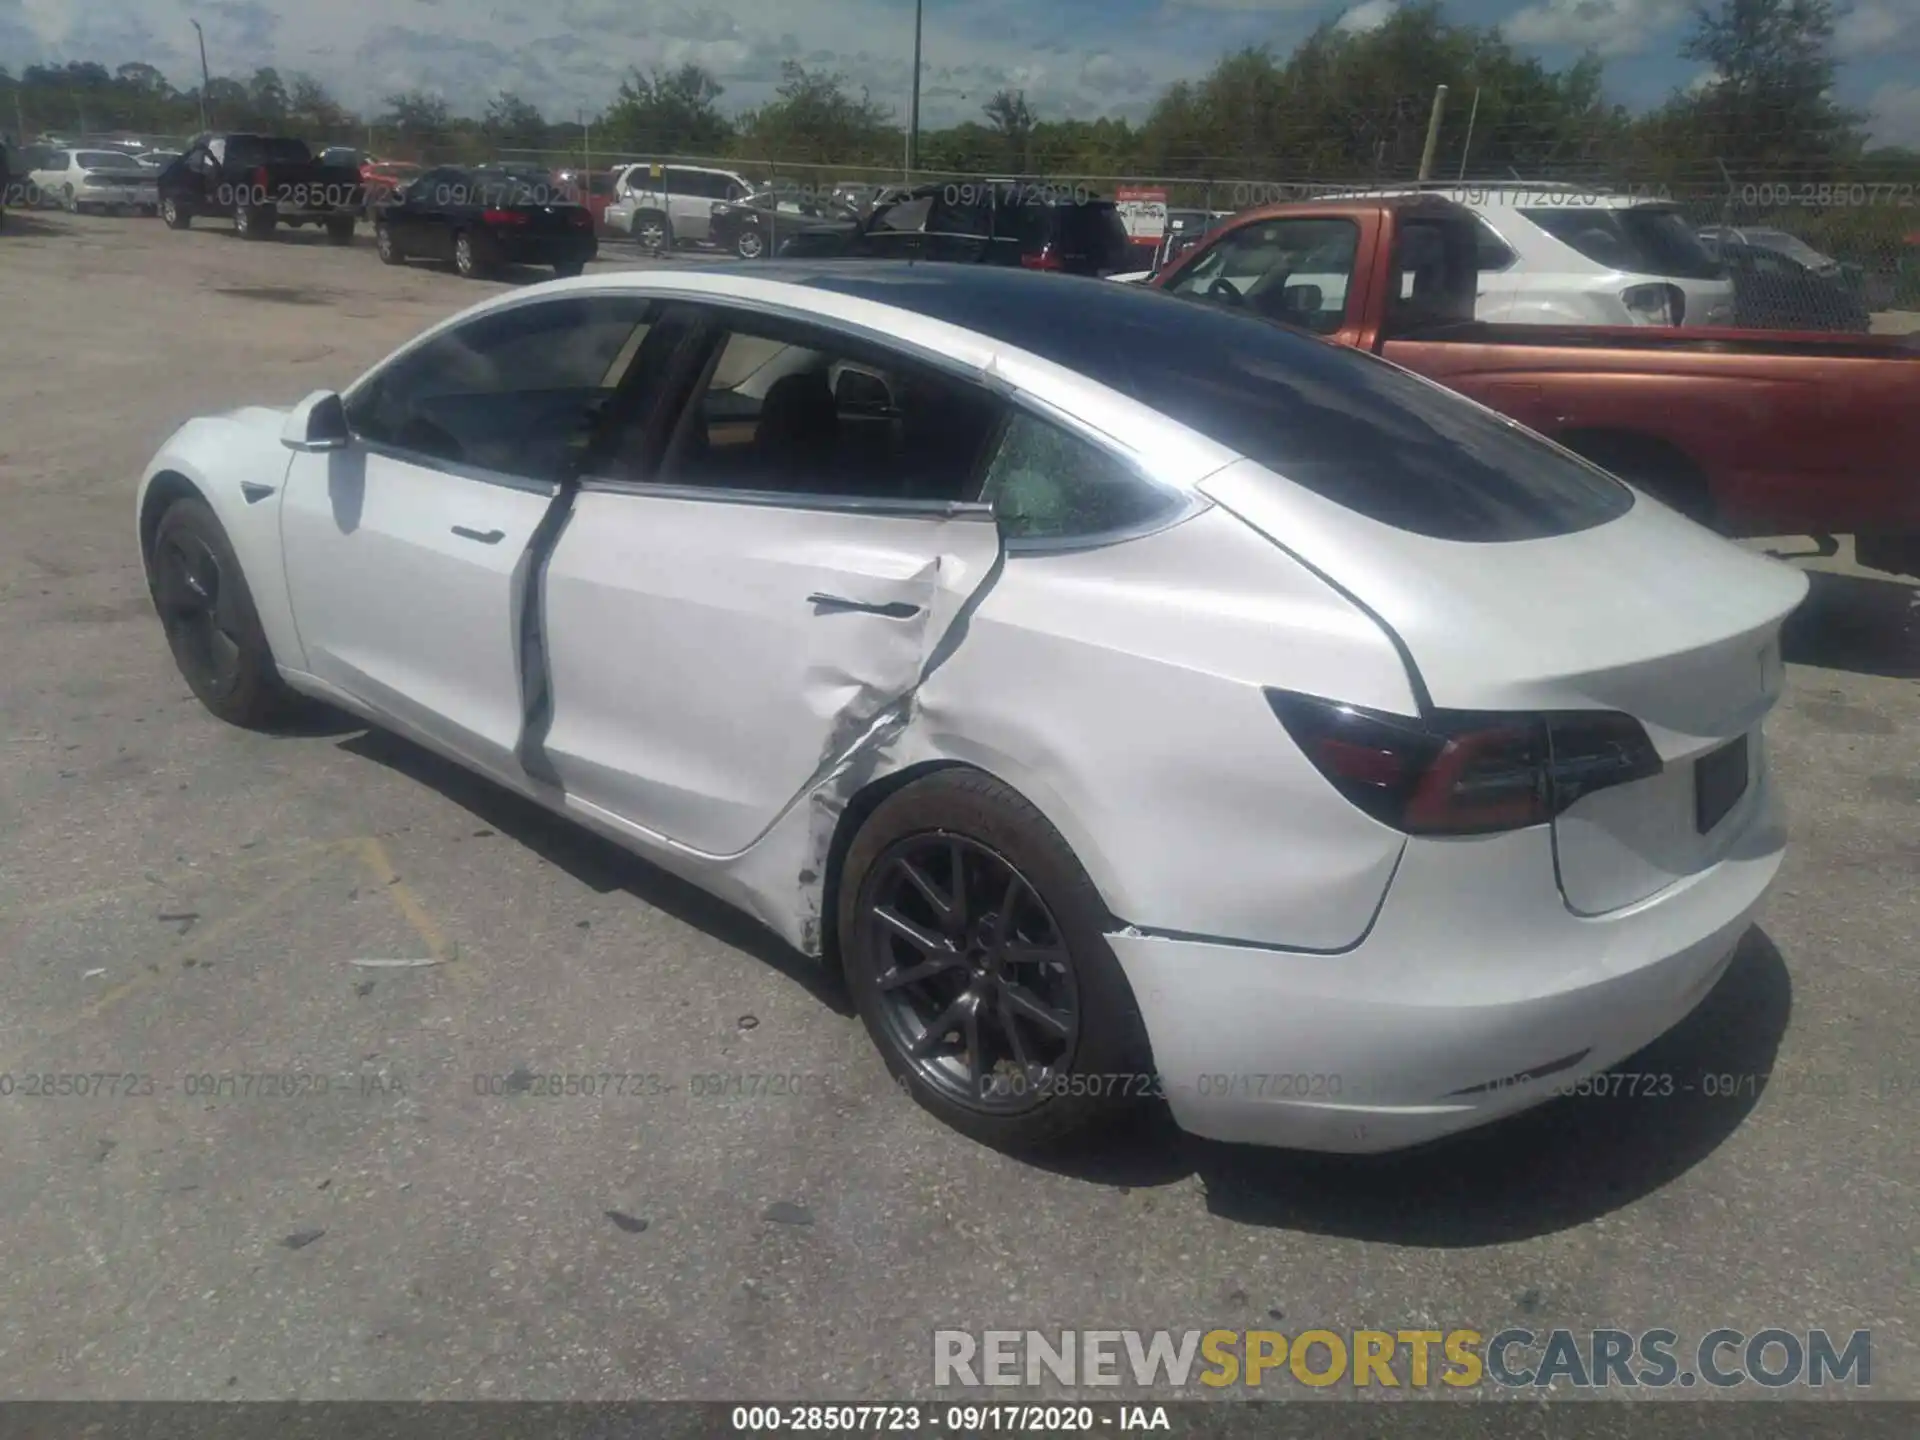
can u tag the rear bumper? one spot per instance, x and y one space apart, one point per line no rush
546 249
1473 983
116 195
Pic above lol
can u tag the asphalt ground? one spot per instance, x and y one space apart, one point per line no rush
179 899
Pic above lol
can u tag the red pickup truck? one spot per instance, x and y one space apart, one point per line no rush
1758 432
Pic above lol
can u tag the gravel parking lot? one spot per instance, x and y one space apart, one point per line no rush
180 899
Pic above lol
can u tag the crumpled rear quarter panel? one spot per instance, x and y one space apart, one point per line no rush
1119 689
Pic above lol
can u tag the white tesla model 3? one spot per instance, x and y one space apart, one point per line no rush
1134 699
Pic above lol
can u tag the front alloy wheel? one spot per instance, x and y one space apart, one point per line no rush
977 989
749 246
199 611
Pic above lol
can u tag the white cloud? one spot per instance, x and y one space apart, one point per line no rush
1701 83
1878 27
1244 6
1367 15
1615 28
569 55
1895 108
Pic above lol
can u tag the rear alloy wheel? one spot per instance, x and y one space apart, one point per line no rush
388 247
470 255
176 218
749 246
209 617
653 232
974 947
253 222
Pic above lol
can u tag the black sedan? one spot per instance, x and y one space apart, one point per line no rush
1775 290
483 219
755 226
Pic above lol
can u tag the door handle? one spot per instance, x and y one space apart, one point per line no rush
485 537
839 604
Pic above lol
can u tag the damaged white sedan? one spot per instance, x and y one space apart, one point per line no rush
1134 699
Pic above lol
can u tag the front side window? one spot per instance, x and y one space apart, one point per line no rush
1294 271
1046 483
518 391
788 409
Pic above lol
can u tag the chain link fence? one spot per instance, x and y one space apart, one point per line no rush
1852 230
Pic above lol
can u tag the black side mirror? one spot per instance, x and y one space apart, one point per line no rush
318 422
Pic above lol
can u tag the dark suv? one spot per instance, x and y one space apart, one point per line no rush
1040 227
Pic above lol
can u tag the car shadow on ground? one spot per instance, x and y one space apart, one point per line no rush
24 223
599 864
1558 1166
1865 623
1561 1165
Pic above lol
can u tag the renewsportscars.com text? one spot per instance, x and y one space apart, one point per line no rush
1460 1359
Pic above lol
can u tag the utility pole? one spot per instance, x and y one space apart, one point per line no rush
913 117
1472 115
205 81
1433 133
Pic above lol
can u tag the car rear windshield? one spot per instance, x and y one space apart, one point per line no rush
106 160
260 150
1094 229
1644 240
1365 434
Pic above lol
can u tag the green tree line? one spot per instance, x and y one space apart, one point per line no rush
1340 107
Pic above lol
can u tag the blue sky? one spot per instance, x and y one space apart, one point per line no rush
1076 57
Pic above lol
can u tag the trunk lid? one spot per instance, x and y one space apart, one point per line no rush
1646 613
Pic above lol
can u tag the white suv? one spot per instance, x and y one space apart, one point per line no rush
666 205
1551 254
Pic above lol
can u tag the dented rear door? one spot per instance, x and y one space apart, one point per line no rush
710 656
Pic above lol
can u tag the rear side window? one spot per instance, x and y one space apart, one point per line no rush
1047 484
1645 240
1383 442
255 150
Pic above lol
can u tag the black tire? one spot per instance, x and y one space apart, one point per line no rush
340 232
654 232
472 256
567 269
1045 1088
387 244
750 244
175 217
208 614
254 222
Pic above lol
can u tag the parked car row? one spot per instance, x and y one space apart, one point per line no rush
111 181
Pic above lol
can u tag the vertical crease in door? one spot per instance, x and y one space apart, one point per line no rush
866 733
536 678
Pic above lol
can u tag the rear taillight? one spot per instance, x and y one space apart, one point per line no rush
1045 259
1655 304
1465 772
260 177
503 217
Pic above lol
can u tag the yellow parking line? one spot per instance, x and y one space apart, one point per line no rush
374 855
